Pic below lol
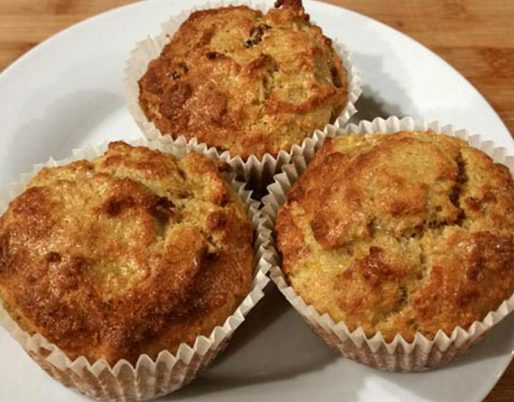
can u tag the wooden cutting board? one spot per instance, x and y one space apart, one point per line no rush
474 36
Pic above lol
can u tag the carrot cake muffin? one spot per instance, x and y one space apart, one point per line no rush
402 233
244 81
133 252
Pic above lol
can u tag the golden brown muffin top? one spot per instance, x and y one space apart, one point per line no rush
245 82
400 233
133 252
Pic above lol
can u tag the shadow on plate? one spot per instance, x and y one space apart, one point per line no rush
369 106
372 103
272 344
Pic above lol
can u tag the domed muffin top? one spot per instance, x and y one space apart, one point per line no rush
133 252
400 233
245 82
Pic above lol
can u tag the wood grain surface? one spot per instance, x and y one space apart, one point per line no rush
475 36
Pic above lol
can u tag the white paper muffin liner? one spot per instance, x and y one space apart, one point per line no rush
399 355
149 378
253 169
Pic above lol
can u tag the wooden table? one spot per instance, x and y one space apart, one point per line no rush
475 36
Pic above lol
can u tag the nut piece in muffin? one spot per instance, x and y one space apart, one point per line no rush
134 252
244 81
402 233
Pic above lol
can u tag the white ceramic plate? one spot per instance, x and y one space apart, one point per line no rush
67 92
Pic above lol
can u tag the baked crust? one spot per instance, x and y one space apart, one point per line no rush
133 252
400 233
245 82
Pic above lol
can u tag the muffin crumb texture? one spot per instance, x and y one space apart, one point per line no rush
400 233
244 81
133 252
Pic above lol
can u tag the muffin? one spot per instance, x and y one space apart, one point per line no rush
245 82
131 254
390 242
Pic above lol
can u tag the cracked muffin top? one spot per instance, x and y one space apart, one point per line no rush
400 233
133 252
244 81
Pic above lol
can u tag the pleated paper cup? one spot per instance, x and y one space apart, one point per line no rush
253 169
148 378
399 355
